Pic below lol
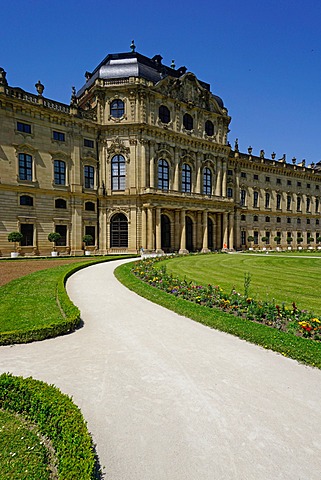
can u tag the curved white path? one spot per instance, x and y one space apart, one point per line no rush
169 399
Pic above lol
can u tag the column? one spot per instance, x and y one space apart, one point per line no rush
225 230
150 236
205 233
176 171
224 166
218 184
144 231
103 234
152 165
218 231
231 230
158 231
182 248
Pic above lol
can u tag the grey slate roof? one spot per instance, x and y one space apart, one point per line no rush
133 64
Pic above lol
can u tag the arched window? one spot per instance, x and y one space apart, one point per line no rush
59 172
60 203
118 173
186 178
298 204
267 200
117 108
89 176
207 181
26 200
188 121
243 197
163 175
164 114
278 201
209 128
119 231
90 206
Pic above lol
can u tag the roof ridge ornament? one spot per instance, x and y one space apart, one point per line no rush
133 46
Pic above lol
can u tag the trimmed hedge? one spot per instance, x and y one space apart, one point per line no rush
69 311
57 418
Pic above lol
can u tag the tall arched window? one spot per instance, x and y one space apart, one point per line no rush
119 231
267 200
117 108
163 175
255 198
118 173
165 232
186 178
207 181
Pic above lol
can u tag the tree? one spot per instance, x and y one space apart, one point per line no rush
15 237
54 237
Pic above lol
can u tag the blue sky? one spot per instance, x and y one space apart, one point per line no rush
262 57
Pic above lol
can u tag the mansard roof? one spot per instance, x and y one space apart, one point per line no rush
134 64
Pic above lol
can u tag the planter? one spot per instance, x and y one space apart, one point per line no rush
87 252
289 248
54 254
14 254
319 248
300 248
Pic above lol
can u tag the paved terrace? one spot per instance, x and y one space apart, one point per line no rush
169 399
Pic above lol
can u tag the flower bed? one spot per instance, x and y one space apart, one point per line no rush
288 319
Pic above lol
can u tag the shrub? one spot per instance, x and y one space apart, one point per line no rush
57 418
15 237
54 237
87 239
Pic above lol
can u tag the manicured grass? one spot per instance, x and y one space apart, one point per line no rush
283 278
301 349
36 306
23 455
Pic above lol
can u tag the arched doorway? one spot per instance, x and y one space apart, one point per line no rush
189 234
210 231
165 233
119 231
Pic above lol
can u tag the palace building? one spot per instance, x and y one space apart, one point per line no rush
140 159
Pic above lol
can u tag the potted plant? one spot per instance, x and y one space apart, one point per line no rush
277 239
288 241
15 237
250 239
310 240
54 237
299 241
318 239
87 239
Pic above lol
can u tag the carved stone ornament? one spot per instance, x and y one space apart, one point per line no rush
117 147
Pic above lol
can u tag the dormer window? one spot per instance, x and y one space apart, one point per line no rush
117 108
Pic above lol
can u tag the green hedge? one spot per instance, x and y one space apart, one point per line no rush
69 311
57 418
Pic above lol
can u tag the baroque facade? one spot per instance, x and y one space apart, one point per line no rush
140 159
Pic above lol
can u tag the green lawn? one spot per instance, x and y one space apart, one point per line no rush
283 278
23 455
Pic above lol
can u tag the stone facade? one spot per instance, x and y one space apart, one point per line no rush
140 159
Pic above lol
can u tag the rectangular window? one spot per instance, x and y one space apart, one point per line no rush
308 185
267 200
59 172
278 201
243 174
27 231
88 143
288 202
299 184
89 230
317 205
256 238
308 221
278 219
298 204
255 199
60 136
89 173
255 177
62 229
289 182
25 166
278 181
23 127
243 237
230 192
230 172
298 221
317 187
267 179
288 220
243 198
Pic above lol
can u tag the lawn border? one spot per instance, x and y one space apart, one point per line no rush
72 319
58 419
297 348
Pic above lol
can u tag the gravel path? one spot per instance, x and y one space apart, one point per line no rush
169 399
